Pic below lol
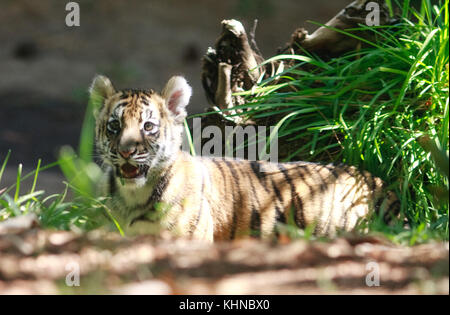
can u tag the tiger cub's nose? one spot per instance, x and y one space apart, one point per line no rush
128 153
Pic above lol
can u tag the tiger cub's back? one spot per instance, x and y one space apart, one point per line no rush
255 196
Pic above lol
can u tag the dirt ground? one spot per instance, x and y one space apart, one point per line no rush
35 261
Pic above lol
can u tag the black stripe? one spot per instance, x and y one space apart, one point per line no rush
159 188
256 168
348 170
312 191
378 205
255 220
233 171
368 178
112 183
295 199
217 164
280 217
253 189
395 205
233 226
299 216
123 102
332 169
324 185
393 209
255 224
277 192
236 188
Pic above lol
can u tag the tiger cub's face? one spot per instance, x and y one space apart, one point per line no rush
138 131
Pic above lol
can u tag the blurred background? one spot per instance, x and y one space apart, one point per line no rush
46 67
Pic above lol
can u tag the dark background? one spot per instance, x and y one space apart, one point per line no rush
47 67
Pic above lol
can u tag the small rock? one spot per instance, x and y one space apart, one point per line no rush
18 224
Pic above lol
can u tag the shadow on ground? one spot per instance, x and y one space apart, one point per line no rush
35 261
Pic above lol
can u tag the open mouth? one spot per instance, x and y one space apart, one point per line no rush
130 171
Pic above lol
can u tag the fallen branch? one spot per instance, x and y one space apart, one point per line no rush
232 66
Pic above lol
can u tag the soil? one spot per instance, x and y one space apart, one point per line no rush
36 261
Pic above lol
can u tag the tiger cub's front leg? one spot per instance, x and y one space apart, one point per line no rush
175 202
181 220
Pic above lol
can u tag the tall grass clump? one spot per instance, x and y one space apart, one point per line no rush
78 206
380 108
58 211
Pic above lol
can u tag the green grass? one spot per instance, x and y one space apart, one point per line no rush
383 108
84 211
53 211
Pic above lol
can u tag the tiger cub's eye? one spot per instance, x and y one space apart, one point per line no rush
113 126
150 127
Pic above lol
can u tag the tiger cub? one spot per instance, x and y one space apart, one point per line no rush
155 186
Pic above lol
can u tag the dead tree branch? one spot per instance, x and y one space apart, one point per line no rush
233 66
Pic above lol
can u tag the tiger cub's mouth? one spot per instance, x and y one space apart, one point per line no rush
130 171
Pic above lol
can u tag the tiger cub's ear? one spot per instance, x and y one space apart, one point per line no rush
101 88
176 94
